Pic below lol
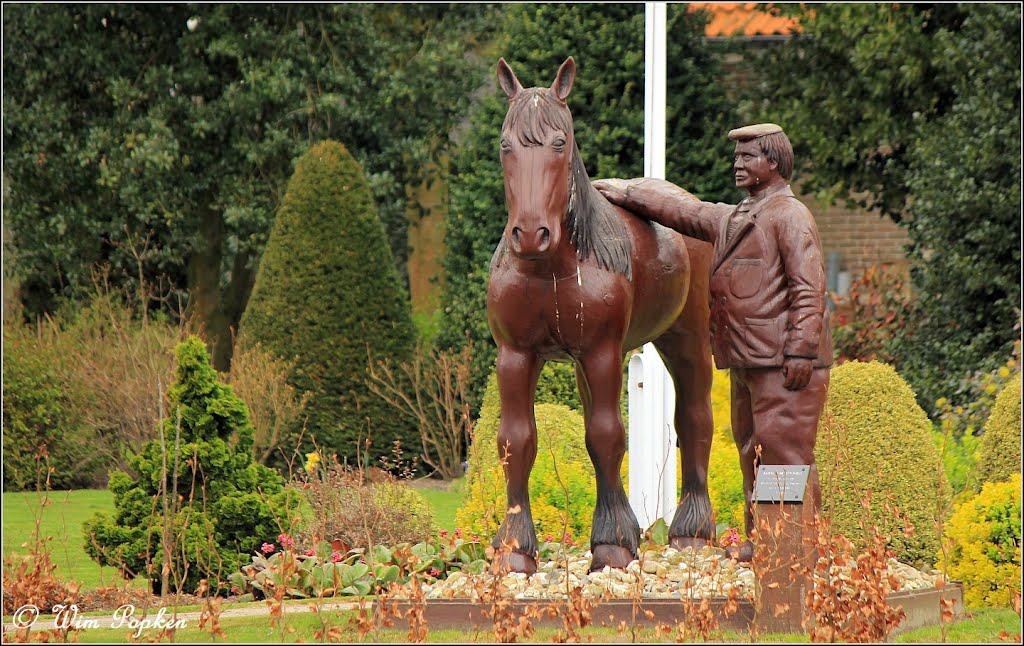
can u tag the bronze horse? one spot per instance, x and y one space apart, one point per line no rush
576 278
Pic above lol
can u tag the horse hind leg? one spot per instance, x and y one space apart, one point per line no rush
688 358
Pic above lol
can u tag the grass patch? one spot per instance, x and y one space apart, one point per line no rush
66 511
62 519
979 626
444 504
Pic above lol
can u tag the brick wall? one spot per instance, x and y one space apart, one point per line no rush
861 238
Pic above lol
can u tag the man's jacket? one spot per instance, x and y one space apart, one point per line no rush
767 278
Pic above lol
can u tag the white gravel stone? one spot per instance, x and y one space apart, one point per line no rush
662 573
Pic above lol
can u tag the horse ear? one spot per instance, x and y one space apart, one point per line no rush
564 80
507 79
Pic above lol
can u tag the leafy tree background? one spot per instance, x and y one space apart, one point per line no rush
607 103
914 109
171 129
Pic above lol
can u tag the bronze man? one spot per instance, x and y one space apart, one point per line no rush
769 320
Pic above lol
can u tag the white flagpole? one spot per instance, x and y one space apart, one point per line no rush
652 446
655 58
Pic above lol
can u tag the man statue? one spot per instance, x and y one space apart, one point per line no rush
769 320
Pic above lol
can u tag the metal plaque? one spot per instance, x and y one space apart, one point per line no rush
780 482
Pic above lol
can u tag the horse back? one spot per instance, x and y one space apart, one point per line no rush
670 280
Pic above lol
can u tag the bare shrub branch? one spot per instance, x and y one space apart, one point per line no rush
432 388
260 379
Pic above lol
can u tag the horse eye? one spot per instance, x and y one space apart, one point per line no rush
558 143
505 145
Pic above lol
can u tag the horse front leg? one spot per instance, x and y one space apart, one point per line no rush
615 533
518 372
688 359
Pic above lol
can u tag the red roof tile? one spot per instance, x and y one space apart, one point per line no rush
743 19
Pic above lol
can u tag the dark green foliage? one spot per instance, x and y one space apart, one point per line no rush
182 121
228 506
40 428
607 103
328 298
916 109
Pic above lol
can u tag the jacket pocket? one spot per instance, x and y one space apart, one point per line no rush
745 277
763 338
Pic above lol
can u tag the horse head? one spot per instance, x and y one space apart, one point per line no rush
537 151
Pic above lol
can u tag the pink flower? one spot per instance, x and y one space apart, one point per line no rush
458 533
309 552
286 541
234 588
434 572
730 537
475 539
567 539
336 556
443 533
549 538
267 548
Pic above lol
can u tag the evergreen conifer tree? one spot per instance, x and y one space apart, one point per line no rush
328 297
222 506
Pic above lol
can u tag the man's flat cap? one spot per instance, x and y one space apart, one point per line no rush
756 130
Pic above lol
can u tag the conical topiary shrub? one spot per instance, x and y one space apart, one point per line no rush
328 298
874 440
226 506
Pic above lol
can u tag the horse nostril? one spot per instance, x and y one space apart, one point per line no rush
545 235
515 235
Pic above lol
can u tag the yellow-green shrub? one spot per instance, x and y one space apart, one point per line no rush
983 542
561 447
1000 445
873 439
725 480
396 495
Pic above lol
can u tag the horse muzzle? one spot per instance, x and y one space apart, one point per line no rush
531 245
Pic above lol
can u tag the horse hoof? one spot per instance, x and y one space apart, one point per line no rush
744 552
682 542
514 562
614 556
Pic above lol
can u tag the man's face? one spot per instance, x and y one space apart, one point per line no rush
751 168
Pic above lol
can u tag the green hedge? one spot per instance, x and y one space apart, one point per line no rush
874 440
1000 445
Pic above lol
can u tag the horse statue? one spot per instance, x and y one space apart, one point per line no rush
575 278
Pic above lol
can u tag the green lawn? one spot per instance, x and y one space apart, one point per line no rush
61 518
984 626
444 504
65 511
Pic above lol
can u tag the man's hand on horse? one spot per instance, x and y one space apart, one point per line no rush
616 190
797 372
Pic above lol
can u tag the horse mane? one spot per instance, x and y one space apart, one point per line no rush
593 225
